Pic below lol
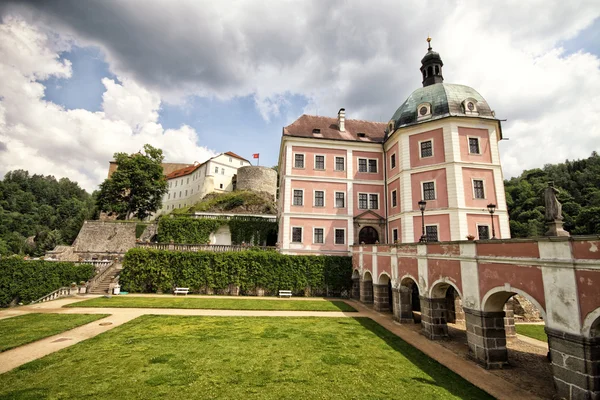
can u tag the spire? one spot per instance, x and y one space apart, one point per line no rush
431 66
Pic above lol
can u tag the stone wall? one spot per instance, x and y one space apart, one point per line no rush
100 237
257 179
149 232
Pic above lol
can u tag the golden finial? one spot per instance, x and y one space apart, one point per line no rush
429 42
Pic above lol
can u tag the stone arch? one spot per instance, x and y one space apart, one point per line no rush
368 235
440 286
366 288
382 293
386 278
367 276
356 274
355 294
495 299
591 324
408 280
405 299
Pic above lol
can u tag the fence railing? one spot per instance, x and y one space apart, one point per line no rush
100 275
57 294
200 247
99 265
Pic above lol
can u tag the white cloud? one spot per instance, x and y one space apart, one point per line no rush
44 138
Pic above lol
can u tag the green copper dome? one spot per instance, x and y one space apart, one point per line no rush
444 100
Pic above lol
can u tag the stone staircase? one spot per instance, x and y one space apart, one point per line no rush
103 283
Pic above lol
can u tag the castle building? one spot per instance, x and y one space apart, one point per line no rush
190 184
345 181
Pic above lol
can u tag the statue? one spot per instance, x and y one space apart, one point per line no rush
553 212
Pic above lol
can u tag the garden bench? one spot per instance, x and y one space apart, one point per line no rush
181 290
285 293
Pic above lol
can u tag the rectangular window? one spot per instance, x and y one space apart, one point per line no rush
372 165
340 236
339 164
298 194
319 162
175 195
431 231
220 186
222 171
216 170
474 145
428 191
340 200
169 196
478 189
297 235
319 235
394 198
175 183
483 232
362 165
426 149
362 201
188 181
393 161
181 182
395 235
230 160
186 192
299 161
373 201
180 194
319 198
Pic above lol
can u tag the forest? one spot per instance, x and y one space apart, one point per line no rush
49 210
578 183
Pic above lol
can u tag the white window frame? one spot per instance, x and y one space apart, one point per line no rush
301 234
369 199
489 230
427 115
395 160
392 198
335 199
466 108
435 191
335 236
313 238
303 160
230 159
395 230
295 205
432 148
478 144
324 162
376 165
216 169
222 171
335 164
437 225
315 198
358 200
358 165
473 188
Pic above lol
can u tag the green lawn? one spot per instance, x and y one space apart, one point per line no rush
17 331
179 357
533 331
215 303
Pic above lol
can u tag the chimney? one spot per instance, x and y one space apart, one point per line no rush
342 119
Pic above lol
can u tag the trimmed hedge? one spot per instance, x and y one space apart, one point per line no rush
148 271
26 281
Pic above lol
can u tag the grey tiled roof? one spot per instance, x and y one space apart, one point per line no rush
445 99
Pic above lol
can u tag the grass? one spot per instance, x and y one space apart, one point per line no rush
215 304
178 357
533 331
17 331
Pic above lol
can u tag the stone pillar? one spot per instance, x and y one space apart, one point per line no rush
381 297
433 318
366 291
355 288
509 319
459 313
403 310
575 365
486 337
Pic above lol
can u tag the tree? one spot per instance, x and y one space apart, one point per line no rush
136 188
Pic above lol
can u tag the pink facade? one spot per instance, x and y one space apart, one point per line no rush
368 189
395 224
450 269
485 155
309 162
437 176
486 176
588 282
527 278
368 155
476 220
328 225
438 157
442 222
393 151
394 186
309 188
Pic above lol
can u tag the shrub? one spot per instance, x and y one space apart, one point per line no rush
26 281
148 270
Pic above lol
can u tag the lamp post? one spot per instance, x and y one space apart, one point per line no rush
422 205
492 208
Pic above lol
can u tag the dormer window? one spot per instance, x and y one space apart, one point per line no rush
423 111
317 131
470 106
391 127
361 134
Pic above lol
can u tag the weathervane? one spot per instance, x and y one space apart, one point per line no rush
429 42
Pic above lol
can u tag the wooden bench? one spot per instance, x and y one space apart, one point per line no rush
285 293
181 290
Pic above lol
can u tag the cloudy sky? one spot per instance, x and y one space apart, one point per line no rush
80 80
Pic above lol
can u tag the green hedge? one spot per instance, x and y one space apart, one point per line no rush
148 271
26 281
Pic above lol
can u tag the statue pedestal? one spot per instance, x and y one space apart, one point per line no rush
555 228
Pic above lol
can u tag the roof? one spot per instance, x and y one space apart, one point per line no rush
183 171
329 129
446 100
232 154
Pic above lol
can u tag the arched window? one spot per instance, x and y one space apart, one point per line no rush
437 69
430 71
368 235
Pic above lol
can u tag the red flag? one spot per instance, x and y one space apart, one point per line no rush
255 155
